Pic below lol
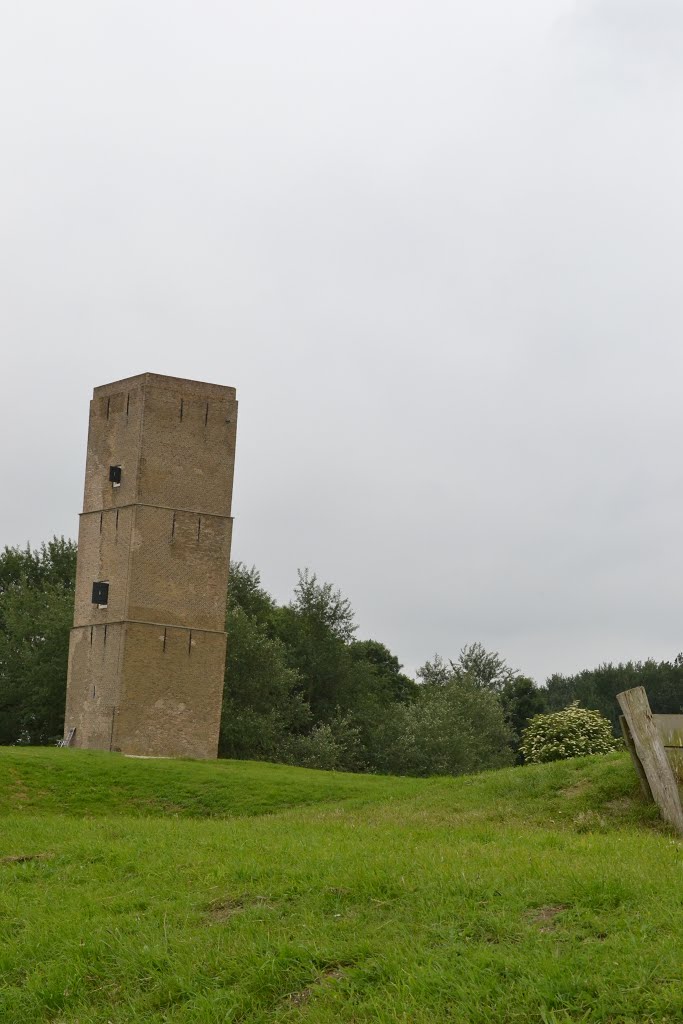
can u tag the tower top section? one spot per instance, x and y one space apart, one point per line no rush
163 441
198 388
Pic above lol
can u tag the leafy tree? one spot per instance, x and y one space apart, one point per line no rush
437 672
521 700
316 628
36 614
447 730
559 691
322 605
245 591
262 704
52 563
484 669
333 746
392 683
597 688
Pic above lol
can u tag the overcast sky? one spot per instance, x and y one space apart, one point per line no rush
436 247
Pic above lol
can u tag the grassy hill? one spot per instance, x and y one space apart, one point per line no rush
180 891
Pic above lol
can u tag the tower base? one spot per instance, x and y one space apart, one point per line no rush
146 689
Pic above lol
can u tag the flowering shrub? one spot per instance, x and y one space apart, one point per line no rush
572 732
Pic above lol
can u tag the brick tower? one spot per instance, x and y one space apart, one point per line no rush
147 651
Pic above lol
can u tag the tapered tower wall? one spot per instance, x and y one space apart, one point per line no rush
146 668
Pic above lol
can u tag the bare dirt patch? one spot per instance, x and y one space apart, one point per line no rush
23 858
19 791
577 788
545 916
622 805
326 977
223 910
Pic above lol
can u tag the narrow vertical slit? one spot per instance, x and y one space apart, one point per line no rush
127 404
181 410
108 404
199 528
105 633
206 414
93 691
91 629
189 643
173 527
101 514
117 519
164 645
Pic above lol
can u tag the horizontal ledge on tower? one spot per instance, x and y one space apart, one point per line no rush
144 622
148 504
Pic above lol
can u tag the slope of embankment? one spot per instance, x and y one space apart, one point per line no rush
193 893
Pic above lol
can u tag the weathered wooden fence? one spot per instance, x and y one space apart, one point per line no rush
655 743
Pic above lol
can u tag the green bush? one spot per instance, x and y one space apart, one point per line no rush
330 746
449 729
572 732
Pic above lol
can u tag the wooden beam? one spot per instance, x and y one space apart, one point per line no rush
652 756
628 740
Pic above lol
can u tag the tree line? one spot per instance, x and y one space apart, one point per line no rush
301 688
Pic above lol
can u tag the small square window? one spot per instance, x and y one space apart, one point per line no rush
115 475
100 594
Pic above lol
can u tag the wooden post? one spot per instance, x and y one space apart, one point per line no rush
651 754
628 740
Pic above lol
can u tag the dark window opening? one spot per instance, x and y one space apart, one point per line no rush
115 475
100 594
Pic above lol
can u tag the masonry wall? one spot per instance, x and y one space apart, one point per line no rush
172 687
104 547
94 689
187 450
177 568
146 671
114 436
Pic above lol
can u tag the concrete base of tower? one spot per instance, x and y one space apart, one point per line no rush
145 689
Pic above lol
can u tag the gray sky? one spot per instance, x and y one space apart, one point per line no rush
436 247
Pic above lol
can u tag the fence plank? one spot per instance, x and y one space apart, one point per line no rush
675 755
670 729
652 756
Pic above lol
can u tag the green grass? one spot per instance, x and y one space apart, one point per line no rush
181 891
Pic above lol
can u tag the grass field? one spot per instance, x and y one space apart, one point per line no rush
180 891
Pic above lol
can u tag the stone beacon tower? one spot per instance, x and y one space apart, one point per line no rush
147 651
